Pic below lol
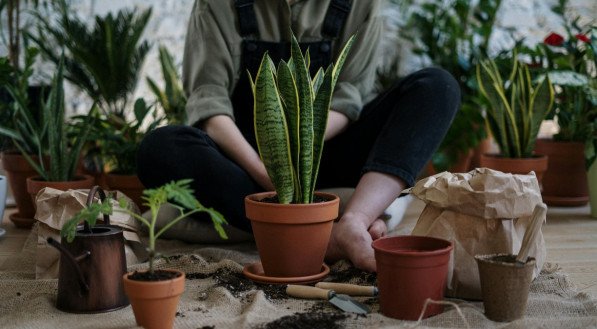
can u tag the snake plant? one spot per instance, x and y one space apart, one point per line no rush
517 106
290 116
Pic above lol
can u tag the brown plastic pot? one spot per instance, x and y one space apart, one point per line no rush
130 185
505 286
519 166
411 269
565 181
154 302
36 184
291 238
18 170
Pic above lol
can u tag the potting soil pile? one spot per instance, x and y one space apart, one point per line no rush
217 295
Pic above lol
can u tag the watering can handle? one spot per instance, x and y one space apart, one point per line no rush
73 260
95 190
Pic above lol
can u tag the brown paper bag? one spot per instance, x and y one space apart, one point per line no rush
55 208
481 212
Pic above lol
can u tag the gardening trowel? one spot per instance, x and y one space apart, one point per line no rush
343 302
349 289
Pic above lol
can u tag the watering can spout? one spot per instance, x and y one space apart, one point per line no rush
74 260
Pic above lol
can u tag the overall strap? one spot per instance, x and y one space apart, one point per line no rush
335 17
247 20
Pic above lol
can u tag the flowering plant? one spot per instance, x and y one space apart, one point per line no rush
570 63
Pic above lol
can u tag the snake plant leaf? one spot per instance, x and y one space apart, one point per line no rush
271 132
341 58
289 95
303 84
541 105
495 111
317 80
321 107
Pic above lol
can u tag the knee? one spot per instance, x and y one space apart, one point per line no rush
165 140
439 82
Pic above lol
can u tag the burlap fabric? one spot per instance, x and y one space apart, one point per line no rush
218 296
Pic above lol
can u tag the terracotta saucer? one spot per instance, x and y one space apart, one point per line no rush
21 222
565 201
255 273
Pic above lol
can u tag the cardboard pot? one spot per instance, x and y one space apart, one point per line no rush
411 269
291 238
155 302
505 286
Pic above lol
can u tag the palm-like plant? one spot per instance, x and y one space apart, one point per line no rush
517 106
103 61
291 111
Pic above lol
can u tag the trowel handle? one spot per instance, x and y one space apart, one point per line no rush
308 292
349 289
531 233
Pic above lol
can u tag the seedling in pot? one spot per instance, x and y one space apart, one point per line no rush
179 192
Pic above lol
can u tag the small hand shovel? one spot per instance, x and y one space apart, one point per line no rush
343 302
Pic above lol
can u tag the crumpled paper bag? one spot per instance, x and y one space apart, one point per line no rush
482 212
55 208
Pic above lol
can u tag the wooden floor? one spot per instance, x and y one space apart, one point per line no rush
570 234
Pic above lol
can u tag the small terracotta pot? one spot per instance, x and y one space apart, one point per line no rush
505 286
130 185
519 166
411 269
291 238
18 170
36 184
154 302
565 181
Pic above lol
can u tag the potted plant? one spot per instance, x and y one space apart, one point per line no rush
454 35
63 152
104 61
154 293
23 132
516 107
569 62
292 226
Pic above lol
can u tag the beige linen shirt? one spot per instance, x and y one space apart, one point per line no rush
212 55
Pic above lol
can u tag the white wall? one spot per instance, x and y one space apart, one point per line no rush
529 18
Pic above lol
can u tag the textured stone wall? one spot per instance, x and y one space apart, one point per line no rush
529 18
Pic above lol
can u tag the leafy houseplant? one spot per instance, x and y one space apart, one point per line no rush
172 98
290 113
569 61
454 35
517 106
153 294
63 152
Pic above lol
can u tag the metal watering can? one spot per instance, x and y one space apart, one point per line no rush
91 267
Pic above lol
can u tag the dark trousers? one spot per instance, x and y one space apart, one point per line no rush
396 134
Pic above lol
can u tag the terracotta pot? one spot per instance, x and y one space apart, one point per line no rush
291 238
154 302
519 166
130 185
505 286
565 181
18 170
592 177
35 184
411 269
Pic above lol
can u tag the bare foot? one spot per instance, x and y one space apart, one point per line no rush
352 240
378 229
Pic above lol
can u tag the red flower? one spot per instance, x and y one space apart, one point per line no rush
554 39
582 38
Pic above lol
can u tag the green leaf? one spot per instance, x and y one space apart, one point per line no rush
271 132
321 107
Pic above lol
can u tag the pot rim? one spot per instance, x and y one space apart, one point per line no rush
77 178
488 260
182 276
302 213
498 156
256 198
412 253
110 230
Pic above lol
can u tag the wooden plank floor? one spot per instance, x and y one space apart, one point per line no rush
570 234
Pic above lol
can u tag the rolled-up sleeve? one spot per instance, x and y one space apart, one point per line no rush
208 68
356 84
